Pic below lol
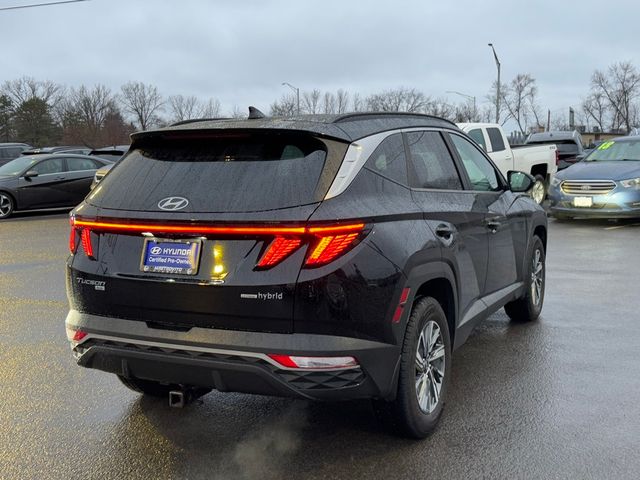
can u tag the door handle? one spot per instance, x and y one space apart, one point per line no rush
493 224
443 231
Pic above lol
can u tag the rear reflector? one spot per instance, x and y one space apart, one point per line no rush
404 296
72 240
75 336
314 363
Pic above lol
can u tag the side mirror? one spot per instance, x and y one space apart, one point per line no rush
30 174
520 182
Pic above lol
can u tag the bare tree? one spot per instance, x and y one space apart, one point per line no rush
330 103
620 84
358 103
85 114
210 109
27 88
519 98
597 108
439 107
311 101
342 101
399 100
285 107
238 112
182 108
143 101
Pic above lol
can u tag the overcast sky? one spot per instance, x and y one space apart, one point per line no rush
240 51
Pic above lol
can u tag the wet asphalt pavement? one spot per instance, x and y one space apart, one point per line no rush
559 398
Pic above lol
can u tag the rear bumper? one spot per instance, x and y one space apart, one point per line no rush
234 361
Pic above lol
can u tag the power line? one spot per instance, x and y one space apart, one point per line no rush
41 4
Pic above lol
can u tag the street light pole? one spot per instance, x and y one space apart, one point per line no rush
495 55
297 90
470 97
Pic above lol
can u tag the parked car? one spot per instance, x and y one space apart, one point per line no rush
60 149
320 257
537 160
570 148
45 181
9 151
606 184
113 153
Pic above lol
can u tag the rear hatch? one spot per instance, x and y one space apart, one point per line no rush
203 229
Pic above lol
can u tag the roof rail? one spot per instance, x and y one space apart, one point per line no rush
365 115
196 120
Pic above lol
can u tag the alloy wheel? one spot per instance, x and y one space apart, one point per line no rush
537 277
5 205
538 192
430 367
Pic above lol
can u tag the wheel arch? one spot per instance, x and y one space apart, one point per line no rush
437 280
541 232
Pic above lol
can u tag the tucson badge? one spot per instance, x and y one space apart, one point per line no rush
173 203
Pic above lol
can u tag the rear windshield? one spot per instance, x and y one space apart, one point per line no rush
231 173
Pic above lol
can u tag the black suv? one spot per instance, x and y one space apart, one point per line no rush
320 257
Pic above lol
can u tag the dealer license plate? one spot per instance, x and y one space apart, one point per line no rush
180 257
584 202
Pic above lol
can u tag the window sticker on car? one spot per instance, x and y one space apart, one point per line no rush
606 145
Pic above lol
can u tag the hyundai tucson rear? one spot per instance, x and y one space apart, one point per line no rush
293 258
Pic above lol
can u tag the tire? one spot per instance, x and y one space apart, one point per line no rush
539 189
147 387
528 307
406 415
7 205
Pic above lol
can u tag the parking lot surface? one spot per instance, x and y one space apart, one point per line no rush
555 399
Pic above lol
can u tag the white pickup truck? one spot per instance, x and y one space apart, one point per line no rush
539 161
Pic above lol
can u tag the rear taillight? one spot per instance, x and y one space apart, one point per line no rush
279 249
557 158
325 243
85 239
329 248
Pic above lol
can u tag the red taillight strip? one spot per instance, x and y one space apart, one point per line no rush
221 230
188 229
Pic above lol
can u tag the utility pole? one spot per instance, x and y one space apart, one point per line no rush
495 55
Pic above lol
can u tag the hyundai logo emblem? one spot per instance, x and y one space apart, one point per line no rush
155 250
173 203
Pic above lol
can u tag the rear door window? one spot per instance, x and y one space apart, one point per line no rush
495 137
231 172
431 161
77 164
54 165
478 137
